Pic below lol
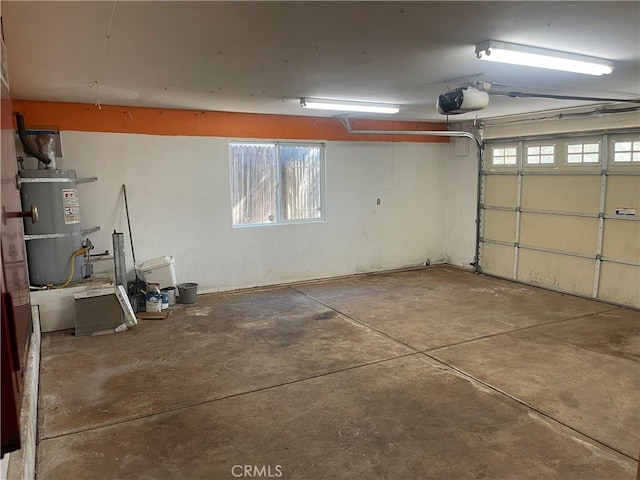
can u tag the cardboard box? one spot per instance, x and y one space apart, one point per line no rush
102 311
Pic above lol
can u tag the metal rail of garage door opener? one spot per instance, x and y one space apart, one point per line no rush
601 216
436 133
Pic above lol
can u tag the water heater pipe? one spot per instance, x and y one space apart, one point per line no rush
436 133
81 251
28 147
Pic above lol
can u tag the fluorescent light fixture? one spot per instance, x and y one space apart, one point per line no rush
348 106
503 52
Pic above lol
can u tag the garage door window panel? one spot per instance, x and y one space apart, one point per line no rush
540 155
583 153
504 156
626 152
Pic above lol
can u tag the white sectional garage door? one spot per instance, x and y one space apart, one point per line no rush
564 213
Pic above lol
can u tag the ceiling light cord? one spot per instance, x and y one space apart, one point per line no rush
96 84
107 37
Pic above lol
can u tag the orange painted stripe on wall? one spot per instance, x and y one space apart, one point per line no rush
159 121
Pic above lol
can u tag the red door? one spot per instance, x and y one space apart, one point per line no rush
14 282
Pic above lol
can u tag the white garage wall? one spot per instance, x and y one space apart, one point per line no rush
179 201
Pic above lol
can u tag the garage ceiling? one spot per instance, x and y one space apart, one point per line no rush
262 56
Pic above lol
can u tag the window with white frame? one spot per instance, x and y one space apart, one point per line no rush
275 182
626 151
578 153
503 156
541 155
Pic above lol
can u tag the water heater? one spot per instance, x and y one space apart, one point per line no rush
57 234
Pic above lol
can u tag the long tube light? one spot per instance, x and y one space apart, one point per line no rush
348 106
512 53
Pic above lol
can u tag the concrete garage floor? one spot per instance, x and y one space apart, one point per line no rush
423 374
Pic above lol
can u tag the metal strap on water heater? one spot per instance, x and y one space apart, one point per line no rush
56 180
45 236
